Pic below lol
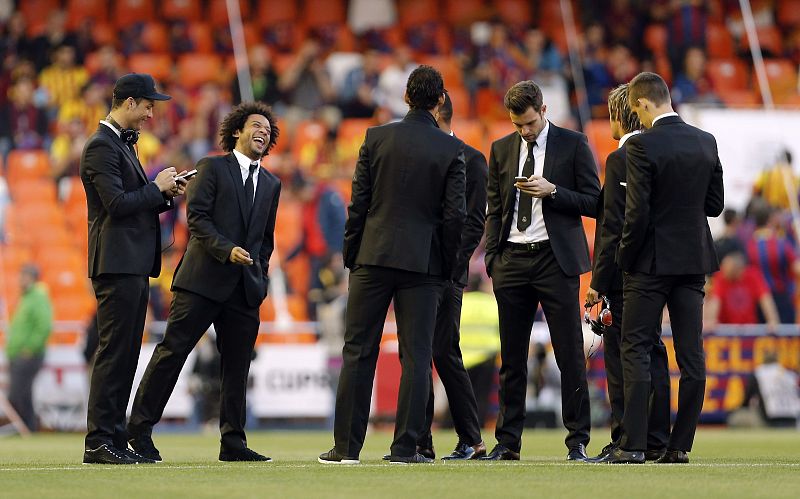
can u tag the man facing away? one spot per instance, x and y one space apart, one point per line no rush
221 279
607 282
124 252
674 181
542 179
401 242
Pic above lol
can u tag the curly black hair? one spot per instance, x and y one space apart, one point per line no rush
424 87
235 120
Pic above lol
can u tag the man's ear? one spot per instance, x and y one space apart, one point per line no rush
405 98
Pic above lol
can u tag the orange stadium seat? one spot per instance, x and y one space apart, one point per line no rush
448 66
272 12
218 12
470 131
728 74
53 234
719 43
655 38
599 134
324 12
769 38
514 12
104 34
15 256
196 69
127 12
34 12
181 10
42 217
489 105
158 65
155 37
782 76
33 191
464 12
72 307
415 12
27 164
201 36
461 101
789 13
80 10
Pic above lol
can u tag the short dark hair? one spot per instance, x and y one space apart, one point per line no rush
424 87
523 95
235 120
648 86
116 103
730 216
446 109
762 212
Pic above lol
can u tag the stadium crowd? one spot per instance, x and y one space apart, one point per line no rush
332 68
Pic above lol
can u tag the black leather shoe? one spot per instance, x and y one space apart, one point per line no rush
654 454
415 459
465 452
137 457
501 453
333 457
242 455
577 453
673 457
106 454
608 449
427 452
143 446
620 456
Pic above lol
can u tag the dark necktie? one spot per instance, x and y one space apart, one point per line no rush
248 187
525 203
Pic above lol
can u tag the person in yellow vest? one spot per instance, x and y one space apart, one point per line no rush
771 183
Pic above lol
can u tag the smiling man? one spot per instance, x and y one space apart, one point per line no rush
221 279
124 251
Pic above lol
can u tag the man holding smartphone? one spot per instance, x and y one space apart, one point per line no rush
542 179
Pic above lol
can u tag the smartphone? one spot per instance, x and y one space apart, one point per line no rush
520 179
188 175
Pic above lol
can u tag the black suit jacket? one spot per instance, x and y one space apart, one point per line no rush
477 177
123 207
216 216
407 207
569 165
606 275
674 182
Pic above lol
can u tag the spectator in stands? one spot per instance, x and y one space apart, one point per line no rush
209 108
692 84
63 79
108 68
595 71
14 41
30 327
23 125
357 97
624 20
771 183
307 85
773 390
262 76
737 292
89 108
67 147
322 232
542 58
55 36
730 241
392 82
179 40
777 260
686 28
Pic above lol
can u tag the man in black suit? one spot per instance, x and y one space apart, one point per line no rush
674 182
221 279
607 282
535 252
124 252
401 242
446 337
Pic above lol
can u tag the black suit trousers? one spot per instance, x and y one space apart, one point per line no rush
416 297
121 309
450 367
236 325
645 296
523 279
659 406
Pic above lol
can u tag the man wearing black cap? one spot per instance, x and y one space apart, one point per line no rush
124 251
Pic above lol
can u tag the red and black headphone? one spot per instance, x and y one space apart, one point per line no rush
603 319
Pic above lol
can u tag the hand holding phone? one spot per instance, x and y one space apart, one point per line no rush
521 179
186 175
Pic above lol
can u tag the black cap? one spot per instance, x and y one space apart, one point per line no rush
137 85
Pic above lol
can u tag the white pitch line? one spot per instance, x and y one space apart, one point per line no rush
267 466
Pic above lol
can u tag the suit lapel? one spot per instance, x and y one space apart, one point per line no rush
550 155
124 148
511 169
236 178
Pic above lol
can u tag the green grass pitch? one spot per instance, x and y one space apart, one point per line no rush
725 464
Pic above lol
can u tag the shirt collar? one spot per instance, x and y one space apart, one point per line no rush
112 127
626 137
672 113
244 161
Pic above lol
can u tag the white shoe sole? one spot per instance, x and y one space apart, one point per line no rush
343 461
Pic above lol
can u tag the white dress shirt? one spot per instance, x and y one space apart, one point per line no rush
109 125
671 113
244 169
626 137
536 231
